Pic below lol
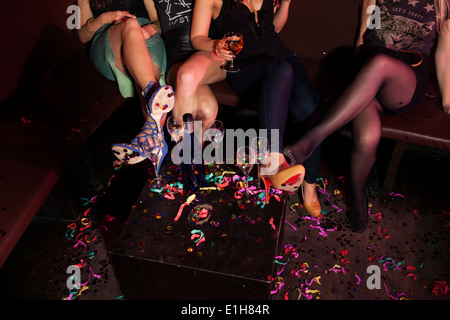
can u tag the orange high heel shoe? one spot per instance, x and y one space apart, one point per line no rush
288 180
312 208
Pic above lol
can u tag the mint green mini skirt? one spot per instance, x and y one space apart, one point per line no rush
102 56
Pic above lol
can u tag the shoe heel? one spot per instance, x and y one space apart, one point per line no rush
312 208
267 183
163 154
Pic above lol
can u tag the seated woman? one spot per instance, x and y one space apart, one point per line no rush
267 69
126 49
392 77
190 72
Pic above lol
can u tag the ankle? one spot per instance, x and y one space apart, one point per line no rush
149 89
309 192
274 163
359 197
301 150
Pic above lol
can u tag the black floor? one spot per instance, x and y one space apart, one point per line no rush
408 237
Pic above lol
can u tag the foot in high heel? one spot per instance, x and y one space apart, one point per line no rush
161 100
312 208
288 180
131 153
360 219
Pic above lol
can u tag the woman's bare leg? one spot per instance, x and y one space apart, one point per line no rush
131 53
131 56
191 80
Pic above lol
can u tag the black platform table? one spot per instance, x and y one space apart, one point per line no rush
226 251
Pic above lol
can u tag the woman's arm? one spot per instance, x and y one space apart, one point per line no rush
363 23
204 11
155 27
86 32
281 15
443 65
90 25
201 20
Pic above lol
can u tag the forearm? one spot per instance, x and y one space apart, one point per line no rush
442 58
157 25
443 75
88 29
203 43
153 15
201 22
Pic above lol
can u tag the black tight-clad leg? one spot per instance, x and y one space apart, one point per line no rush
382 80
366 134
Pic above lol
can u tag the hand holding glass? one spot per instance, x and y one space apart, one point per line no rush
233 42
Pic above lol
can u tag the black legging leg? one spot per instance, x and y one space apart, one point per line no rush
366 133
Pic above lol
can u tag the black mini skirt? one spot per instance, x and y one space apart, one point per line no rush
417 62
178 45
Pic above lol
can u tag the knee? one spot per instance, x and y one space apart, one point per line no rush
281 69
207 109
187 77
379 62
367 141
131 25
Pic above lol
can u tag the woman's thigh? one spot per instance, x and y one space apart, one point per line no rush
203 68
303 101
116 42
397 83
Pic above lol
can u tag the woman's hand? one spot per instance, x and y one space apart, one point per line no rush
91 25
219 48
115 16
145 33
447 109
148 30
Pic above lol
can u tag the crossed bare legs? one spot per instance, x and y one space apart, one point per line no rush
131 56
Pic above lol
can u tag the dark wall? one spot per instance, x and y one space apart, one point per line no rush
33 32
